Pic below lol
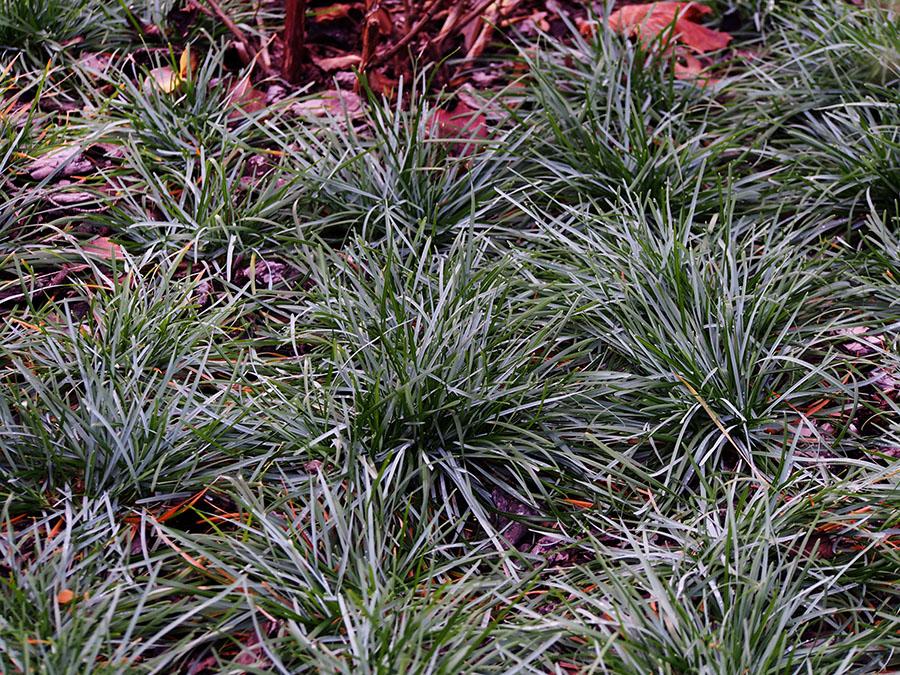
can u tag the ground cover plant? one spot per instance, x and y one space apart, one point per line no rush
449 337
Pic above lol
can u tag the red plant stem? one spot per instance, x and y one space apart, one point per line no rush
406 39
294 40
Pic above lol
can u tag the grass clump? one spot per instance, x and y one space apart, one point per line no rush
119 393
45 26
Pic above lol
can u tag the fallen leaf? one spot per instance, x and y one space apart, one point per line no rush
555 550
586 27
537 22
181 507
243 95
331 13
385 23
110 150
337 62
68 161
648 21
862 344
688 67
104 248
820 546
891 451
381 83
163 79
460 122
252 654
187 63
885 381
65 596
275 93
580 503
71 198
95 63
346 79
267 272
206 664
334 102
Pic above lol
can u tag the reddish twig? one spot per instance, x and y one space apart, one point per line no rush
245 48
484 33
371 34
449 22
474 14
406 39
194 4
455 23
294 39
240 35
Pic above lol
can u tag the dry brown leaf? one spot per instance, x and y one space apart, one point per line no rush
337 62
68 161
187 64
381 83
166 80
338 102
648 21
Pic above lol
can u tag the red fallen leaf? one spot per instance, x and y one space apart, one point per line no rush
688 67
252 653
104 248
202 665
820 546
381 83
65 596
585 26
462 121
245 97
580 503
647 21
